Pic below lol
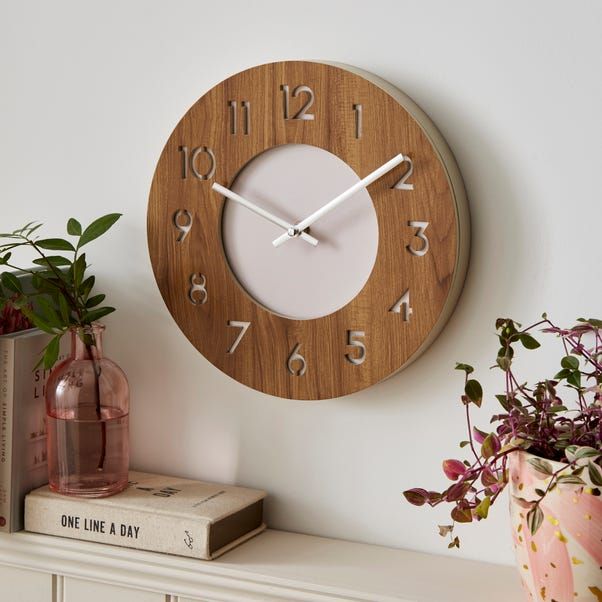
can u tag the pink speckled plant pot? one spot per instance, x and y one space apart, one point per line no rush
562 562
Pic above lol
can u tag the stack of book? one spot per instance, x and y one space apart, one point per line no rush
23 465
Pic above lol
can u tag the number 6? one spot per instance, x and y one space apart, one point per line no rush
295 356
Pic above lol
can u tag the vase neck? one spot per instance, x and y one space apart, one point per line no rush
86 342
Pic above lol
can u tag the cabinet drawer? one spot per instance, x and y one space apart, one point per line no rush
78 590
21 585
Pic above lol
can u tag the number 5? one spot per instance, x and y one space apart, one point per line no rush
352 340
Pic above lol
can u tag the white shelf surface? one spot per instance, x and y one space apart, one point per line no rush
274 566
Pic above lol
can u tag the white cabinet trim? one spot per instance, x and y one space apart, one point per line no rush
272 567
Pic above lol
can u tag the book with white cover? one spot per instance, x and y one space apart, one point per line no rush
23 465
157 513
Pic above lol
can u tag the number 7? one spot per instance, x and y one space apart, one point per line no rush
244 326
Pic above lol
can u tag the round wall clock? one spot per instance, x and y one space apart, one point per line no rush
308 229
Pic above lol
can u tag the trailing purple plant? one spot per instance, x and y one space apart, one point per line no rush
558 418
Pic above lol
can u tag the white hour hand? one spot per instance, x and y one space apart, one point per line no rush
233 196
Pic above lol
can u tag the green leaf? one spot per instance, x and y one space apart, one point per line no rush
49 312
37 321
474 391
490 446
4 259
56 261
504 363
79 267
74 227
11 282
574 378
464 443
64 309
465 367
586 452
570 362
482 509
96 314
95 300
51 353
570 479
97 228
534 519
528 341
542 466
87 286
595 474
55 244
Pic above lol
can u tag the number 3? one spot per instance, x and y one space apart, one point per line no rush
422 226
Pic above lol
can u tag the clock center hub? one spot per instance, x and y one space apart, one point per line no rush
298 280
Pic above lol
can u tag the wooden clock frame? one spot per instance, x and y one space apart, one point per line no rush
410 293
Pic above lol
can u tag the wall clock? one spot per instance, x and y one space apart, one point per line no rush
308 229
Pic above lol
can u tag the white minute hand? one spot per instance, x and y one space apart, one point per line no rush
316 215
261 212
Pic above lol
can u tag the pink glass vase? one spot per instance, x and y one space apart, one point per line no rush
87 409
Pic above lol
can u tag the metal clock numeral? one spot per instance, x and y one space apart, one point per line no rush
358 109
191 162
244 326
353 337
246 117
402 183
182 220
295 356
403 303
197 293
422 226
302 113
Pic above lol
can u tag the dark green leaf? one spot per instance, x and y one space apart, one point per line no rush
79 267
95 300
87 286
474 391
74 227
97 228
51 352
52 260
574 378
64 309
534 519
49 312
570 362
96 314
465 367
528 341
5 258
11 282
55 244
464 443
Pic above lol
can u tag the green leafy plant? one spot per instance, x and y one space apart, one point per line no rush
558 418
61 293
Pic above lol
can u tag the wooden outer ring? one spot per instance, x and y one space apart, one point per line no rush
392 123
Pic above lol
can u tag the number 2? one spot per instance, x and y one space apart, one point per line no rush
403 184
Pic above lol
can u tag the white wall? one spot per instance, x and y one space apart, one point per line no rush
89 94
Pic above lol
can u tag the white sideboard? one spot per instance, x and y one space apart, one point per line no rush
273 567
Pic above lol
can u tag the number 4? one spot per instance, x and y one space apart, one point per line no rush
404 302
